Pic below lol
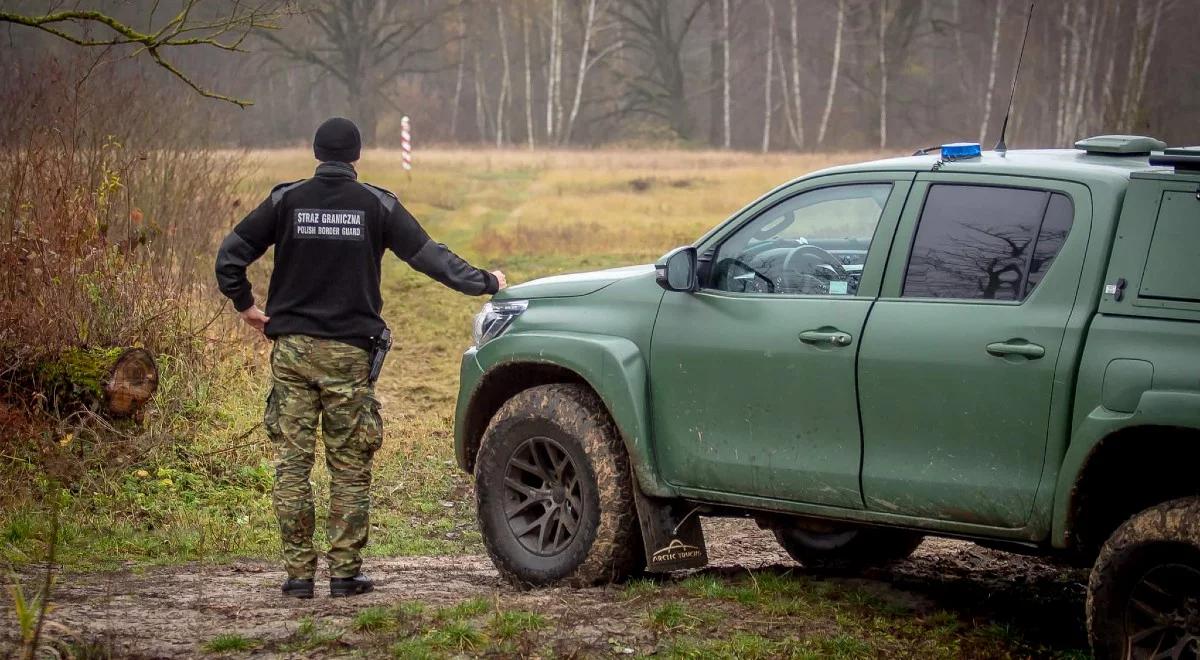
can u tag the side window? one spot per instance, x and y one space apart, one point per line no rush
814 243
985 242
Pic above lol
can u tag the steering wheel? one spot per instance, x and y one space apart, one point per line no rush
818 255
757 275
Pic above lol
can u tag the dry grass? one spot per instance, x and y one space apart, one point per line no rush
530 213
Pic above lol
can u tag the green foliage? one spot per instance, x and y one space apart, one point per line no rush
638 588
467 609
415 648
229 642
510 625
311 634
456 636
668 616
26 610
373 619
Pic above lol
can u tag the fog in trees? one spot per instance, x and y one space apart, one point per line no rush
763 75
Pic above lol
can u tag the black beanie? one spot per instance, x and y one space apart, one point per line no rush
337 139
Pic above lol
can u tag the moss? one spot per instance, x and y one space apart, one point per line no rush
78 372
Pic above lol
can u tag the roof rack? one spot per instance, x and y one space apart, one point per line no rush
1181 158
1120 145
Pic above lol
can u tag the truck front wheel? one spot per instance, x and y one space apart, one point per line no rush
818 543
1144 591
555 492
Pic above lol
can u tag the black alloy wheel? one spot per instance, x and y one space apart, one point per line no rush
1162 616
554 491
544 499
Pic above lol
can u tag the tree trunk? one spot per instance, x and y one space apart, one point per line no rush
991 85
581 74
766 135
458 83
798 109
116 381
528 79
833 72
505 81
1151 39
550 66
883 75
714 76
480 106
725 74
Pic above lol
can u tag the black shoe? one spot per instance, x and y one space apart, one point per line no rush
298 588
352 586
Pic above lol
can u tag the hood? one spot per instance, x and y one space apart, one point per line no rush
574 284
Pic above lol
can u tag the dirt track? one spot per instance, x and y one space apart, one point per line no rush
171 611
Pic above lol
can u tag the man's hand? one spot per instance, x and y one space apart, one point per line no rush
500 278
255 318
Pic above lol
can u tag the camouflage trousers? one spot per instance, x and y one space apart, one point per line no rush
322 381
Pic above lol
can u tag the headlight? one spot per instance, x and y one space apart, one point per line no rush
494 318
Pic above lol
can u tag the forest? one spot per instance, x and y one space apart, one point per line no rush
734 74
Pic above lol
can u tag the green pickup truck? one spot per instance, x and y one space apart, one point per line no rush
1000 346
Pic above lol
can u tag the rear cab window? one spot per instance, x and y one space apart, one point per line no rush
985 242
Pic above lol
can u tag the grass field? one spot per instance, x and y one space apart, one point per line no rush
531 214
207 497
202 491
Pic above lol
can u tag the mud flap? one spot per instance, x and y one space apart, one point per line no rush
671 532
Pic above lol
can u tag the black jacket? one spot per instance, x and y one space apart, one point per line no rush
329 234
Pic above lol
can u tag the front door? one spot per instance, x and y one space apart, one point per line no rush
752 377
957 369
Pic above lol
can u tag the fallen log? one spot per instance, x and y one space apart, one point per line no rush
116 381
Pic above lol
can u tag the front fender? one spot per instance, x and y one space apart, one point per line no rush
612 366
1155 408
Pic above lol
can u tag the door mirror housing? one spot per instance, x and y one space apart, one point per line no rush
676 271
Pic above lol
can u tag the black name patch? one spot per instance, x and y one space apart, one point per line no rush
329 224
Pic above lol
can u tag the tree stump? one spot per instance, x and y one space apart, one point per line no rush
117 381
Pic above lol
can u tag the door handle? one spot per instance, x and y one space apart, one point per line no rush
833 337
1019 347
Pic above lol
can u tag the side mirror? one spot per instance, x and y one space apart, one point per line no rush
676 271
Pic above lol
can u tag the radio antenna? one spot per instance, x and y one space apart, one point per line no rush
1002 148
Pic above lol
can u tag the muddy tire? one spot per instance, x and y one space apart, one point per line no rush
555 491
819 544
1144 590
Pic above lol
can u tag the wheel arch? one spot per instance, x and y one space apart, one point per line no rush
1127 470
611 367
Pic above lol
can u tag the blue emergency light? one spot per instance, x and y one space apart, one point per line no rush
960 150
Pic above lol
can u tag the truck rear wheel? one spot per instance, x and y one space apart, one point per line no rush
555 492
1144 591
820 543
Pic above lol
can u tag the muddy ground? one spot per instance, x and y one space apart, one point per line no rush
171 611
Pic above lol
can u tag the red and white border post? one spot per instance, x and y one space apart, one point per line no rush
406 145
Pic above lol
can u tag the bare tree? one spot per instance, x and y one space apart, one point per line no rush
193 25
656 33
797 96
833 72
458 76
884 19
991 84
587 60
364 44
528 77
554 70
505 80
725 74
768 77
1146 22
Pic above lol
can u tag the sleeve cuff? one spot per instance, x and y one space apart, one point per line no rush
243 301
492 285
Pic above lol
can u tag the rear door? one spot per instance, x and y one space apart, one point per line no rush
959 355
